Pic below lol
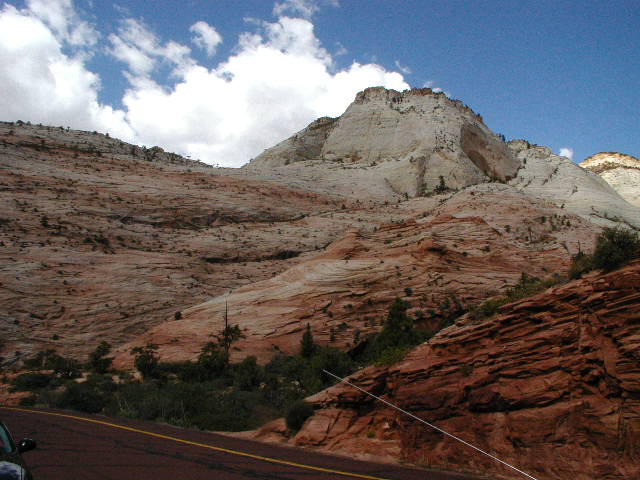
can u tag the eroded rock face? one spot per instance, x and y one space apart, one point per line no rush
100 240
578 190
406 139
550 385
620 171
447 252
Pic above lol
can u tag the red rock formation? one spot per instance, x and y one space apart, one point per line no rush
98 243
551 385
453 256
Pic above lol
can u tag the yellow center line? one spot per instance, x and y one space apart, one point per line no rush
203 445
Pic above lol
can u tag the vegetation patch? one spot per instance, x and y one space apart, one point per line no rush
210 392
526 287
615 247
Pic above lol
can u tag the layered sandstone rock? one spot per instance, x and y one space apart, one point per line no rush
448 252
577 190
405 141
620 171
551 385
100 240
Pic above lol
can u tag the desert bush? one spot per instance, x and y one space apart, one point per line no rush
146 360
50 360
98 360
398 332
247 375
391 355
526 287
298 414
615 247
580 264
81 397
307 346
30 382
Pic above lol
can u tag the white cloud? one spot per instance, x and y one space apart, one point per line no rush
566 152
64 22
139 48
206 37
138 61
403 69
279 79
303 8
40 83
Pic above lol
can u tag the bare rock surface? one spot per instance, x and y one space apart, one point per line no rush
401 143
620 171
550 385
101 240
577 190
406 194
449 250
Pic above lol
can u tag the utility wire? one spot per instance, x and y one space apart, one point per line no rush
430 425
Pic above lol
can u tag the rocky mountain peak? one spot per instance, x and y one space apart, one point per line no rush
604 161
620 171
412 142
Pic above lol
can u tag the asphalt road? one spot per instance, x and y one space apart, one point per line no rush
94 447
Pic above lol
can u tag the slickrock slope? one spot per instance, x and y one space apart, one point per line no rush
451 251
401 142
99 240
391 145
620 171
576 189
551 385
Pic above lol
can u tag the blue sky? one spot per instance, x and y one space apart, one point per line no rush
220 80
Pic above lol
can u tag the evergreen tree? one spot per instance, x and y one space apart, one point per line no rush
98 359
307 346
398 330
146 360
228 335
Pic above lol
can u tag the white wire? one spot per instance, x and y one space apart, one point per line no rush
431 425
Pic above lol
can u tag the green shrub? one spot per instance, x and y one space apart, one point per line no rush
398 331
146 360
615 247
98 359
29 401
580 264
50 360
391 355
526 287
298 414
82 397
28 382
247 375
307 345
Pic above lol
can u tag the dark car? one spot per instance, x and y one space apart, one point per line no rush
12 466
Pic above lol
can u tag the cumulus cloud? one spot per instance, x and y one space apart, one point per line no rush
140 49
279 79
40 83
206 37
64 22
566 152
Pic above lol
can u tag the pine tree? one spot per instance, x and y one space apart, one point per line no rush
228 335
398 330
307 345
